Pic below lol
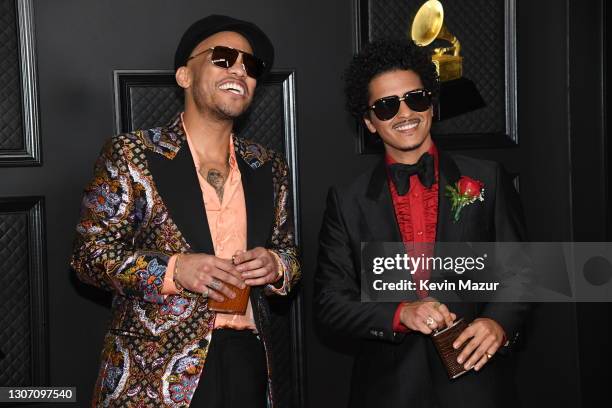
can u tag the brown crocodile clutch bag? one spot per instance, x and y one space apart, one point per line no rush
443 340
237 305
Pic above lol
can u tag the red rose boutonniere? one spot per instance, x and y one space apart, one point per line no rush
464 192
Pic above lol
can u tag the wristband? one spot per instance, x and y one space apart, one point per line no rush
180 289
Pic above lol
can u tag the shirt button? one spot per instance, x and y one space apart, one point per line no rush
420 233
415 195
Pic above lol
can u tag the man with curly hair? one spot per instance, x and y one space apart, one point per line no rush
392 87
179 216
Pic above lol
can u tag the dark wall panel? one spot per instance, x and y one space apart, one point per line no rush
590 172
10 78
15 294
19 133
23 337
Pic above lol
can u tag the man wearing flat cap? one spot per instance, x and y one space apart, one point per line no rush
180 215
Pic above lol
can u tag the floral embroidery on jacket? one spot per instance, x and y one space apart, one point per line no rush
183 391
176 307
183 373
117 367
103 199
151 278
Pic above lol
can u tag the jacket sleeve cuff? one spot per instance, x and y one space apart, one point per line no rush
169 288
280 286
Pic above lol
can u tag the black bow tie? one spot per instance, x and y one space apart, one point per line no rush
424 169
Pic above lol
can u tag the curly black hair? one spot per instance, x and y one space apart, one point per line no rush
382 56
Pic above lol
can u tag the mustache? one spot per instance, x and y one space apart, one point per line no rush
406 122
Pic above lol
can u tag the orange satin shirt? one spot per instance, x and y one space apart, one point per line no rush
228 229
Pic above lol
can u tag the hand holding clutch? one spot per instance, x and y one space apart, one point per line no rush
443 340
465 346
479 341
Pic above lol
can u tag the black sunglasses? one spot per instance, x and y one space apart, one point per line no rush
225 57
419 100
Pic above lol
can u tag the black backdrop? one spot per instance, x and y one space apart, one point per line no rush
561 161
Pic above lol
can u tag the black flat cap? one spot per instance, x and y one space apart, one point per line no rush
204 28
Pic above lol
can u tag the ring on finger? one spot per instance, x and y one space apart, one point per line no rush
205 292
215 284
430 321
489 355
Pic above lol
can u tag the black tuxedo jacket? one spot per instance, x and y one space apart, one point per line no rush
401 370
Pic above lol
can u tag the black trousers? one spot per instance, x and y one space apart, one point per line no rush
235 373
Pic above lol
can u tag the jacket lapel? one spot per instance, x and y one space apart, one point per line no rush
259 201
257 183
177 184
377 206
446 229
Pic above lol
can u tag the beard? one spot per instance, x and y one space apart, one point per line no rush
413 146
219 110
406 148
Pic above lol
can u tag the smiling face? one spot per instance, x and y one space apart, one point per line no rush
406 136
224 93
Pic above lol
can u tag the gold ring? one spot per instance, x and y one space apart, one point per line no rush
488 355
430 321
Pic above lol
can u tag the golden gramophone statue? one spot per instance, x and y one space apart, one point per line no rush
427 26
458 95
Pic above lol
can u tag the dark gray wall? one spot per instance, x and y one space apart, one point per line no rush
80 43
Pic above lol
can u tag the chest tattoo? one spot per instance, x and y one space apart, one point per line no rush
216 179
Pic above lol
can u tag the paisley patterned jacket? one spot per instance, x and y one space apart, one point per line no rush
144 204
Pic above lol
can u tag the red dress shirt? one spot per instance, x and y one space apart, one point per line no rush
417 217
